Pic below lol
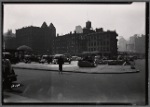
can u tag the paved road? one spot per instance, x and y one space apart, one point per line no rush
76 87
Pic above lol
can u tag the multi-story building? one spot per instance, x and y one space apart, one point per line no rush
9 41
140 44
122 45
102 42
39 39
43 40
136 44
78 29
70 43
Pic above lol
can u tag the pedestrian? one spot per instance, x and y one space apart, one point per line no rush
60 62
132 63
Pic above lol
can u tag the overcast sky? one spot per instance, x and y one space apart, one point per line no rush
127 19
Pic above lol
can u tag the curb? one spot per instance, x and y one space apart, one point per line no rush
135 71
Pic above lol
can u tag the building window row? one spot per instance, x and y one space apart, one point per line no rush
99 43
99 49
96 37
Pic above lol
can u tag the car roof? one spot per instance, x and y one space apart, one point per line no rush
59 55
6 53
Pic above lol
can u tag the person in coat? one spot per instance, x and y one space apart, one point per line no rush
60 62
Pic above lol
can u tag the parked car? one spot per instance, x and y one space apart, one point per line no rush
116 62
74 58
46 59
8 74
11 58
102 61
27 58
87 61
65 58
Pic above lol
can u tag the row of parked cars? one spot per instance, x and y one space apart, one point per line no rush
93 61
84 60
47 58
54 58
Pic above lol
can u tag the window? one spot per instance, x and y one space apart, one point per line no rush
104 43
103 48
89 44
94 43
107 48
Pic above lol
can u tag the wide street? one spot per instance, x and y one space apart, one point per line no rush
50 86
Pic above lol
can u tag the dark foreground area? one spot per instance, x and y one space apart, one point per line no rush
48 87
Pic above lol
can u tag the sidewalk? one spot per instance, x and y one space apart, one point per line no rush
100 69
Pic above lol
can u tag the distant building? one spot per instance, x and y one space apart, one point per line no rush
140 44
122 45
9 40
79 29
136 44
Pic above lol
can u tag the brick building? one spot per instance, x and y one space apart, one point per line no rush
69 43
103 42
39 39
43 40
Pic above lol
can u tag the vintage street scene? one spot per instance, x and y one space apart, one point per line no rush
74 53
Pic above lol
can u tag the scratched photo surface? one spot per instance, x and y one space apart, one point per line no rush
74 53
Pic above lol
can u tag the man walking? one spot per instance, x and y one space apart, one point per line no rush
132 63
60 62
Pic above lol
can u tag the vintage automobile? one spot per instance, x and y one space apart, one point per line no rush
27 58
74 58
87 61
116 62
8 74
66 59
43 59
46 59
11 57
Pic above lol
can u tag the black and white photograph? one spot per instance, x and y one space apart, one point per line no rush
74 53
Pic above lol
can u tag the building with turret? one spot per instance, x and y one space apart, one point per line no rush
39 39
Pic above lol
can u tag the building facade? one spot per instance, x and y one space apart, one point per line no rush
9 41
102 42
122 45
39 39
43 40
78 29
136 44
